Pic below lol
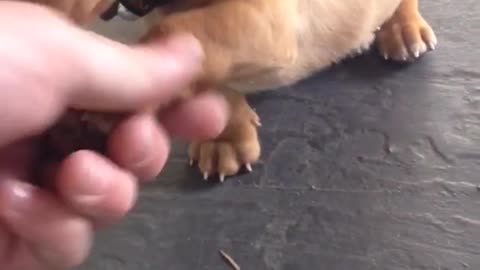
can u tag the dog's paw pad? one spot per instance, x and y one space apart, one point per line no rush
405 40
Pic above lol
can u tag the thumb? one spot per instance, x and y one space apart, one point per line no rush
94 72
110 76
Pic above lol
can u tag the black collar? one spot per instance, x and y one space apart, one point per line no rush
138 8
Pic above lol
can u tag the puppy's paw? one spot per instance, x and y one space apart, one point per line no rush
226 156
405 39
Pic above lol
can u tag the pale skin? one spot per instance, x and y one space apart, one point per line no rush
44 73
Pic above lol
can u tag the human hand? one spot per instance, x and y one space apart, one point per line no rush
49 65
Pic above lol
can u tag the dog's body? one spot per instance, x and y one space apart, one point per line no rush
253 45
289 40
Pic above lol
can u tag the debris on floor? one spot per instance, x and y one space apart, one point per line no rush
229 260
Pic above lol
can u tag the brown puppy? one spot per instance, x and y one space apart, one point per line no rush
254 45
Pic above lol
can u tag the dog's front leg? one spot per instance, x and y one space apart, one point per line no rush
237 37
235 34
407 35
237 146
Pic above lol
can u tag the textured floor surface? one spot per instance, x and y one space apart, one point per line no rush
366 166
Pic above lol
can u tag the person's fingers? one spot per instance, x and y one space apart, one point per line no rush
200 118
140 145
53 64
55 236
95 187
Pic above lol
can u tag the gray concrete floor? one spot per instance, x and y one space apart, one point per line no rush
366 166
118 29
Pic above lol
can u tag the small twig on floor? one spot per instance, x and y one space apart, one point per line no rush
228 259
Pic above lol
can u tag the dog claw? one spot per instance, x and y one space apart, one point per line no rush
416 54
248 166
431 46
205 176
222 178
190 162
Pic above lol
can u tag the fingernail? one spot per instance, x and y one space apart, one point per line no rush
141 154
66 256
186 46
94 183
48 256
14 196
92 187
223 111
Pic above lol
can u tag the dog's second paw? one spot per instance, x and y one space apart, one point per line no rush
224 158
405 39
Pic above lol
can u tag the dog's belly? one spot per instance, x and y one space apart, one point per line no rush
268 80
327 31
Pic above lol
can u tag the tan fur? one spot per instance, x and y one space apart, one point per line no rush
269 43
254 45
406 35
81 11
